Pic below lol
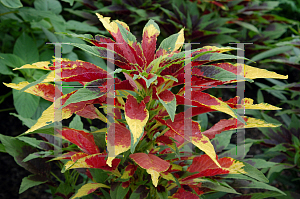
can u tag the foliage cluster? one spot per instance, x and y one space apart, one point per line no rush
152 82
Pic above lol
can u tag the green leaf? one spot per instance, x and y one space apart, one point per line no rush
25 121
148 81
2 148
32 141
271 52
170 107
162 192
69 1
221 141
31 181
4 70
99 175
48 5
233 152
214 185
76 123
254 173
26 49
83 94
81 26
12 3
41 154
247 25
260 163
26 104
258 185
12 60
260 97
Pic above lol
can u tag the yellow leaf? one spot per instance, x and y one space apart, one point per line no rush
111 26
154 176
253 73
87 189
248 103
44 65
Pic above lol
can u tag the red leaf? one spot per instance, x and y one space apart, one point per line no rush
85 141
183 194
149 161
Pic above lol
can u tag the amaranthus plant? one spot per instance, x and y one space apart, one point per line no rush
140 154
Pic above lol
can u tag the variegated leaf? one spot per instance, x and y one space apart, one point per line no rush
136 116
153 165
118 141
232 123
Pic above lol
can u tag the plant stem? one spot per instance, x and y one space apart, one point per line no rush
7 109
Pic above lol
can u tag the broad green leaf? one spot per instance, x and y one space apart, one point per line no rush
31 181
12 3
26 49
20 150
4 70
26 104
87 189
48 5
76 123
136 116
12 60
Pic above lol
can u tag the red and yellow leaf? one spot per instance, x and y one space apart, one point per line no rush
97 161
66 112
118 141
171 44
44 65
44 90
136 116
153 165
150 34
247 103
85 141
232 123
194 136
206 100
183 194
204 166
129 171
